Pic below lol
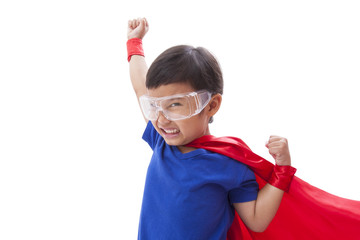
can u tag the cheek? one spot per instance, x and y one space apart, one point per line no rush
192 126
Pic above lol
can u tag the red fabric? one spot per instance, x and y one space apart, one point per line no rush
134 47
282 176
306 212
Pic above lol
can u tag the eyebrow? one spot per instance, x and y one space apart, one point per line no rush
175 98
171 97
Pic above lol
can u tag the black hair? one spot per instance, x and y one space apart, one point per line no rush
183 63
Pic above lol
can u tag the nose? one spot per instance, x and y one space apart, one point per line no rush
161 118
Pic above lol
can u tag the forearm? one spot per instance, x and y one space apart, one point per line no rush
138 69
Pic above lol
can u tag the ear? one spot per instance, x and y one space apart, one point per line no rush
214 104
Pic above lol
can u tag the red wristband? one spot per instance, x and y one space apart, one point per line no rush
282 176
134 47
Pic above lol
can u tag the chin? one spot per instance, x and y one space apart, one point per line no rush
172 142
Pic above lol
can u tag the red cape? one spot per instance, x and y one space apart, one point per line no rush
306 212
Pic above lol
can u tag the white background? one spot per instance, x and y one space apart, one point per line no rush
72 162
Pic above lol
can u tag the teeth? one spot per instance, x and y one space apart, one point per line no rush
171 131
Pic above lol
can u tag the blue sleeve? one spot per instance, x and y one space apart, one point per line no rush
248 189
151 136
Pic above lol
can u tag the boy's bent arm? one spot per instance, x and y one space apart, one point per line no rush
258 214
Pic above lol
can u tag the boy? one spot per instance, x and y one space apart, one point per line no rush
192 193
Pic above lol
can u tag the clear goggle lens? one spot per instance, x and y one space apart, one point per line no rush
175 107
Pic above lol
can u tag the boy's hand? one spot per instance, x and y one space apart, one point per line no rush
279 149
137 28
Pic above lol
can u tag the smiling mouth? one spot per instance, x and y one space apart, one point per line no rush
170 131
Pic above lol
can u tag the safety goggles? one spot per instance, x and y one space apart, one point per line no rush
175 107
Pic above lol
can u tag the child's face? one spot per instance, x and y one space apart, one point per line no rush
180 132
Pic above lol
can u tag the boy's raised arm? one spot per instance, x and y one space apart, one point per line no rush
137 29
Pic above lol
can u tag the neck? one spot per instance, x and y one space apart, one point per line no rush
185 149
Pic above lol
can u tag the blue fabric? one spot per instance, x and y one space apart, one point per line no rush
188 196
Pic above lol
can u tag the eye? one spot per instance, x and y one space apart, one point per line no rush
175 104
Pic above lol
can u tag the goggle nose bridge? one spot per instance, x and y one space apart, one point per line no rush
159 109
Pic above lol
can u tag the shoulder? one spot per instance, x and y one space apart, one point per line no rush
222 170
151 136
221 162
219 157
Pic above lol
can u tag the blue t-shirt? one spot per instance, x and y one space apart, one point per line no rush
189 196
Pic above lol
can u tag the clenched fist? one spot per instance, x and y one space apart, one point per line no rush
137 28
279 150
